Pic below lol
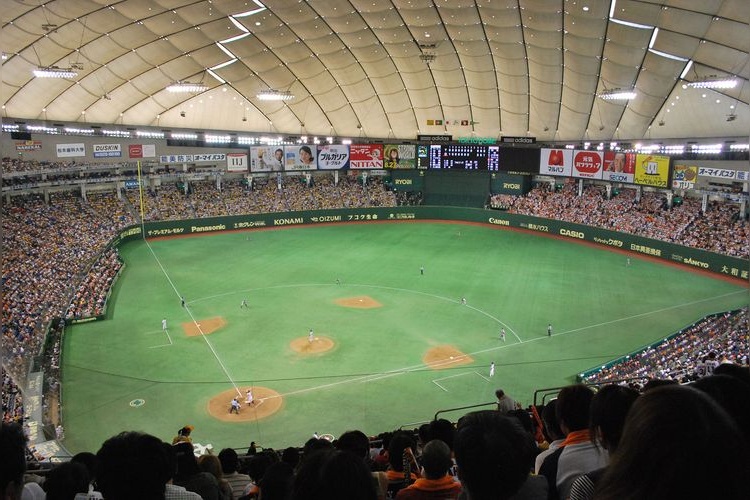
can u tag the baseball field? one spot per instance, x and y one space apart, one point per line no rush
392 341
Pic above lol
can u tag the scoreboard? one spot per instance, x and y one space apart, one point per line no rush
460 157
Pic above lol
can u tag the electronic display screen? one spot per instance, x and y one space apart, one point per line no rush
423 157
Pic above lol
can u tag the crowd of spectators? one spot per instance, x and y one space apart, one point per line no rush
12 399
170 201
614 443
409 198
20 165
48 248
691 353
91 295
718 229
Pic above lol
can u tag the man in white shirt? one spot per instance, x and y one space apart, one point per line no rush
229 464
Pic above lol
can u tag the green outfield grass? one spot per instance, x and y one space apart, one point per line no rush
374 378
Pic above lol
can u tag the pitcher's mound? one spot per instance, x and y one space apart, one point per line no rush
206 326
445 356
303 345
266 402
359 302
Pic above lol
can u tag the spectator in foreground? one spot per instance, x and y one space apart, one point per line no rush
609 408
229 465
505 403
552 433
212 465
400 450
277 482
494 456
183 435
437 483
66 480
190 476
577 454
329 474
13 465
358 443
678 443
732 394
131 465
172 491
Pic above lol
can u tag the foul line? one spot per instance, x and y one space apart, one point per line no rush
435 381
195 322
163 345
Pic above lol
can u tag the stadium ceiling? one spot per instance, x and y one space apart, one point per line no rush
385 68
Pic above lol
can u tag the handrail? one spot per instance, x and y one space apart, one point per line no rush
493 403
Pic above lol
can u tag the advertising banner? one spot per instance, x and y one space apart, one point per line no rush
70 150
29 146
210 158
684 176
720 173
107 150
333 156
732 267
399 156
407 180
267 159
588 164
236 162
618 166
142 151
198 158
365 156
652 170
300 157
501 183
556 162
135 151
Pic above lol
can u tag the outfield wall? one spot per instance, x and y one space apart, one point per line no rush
721 264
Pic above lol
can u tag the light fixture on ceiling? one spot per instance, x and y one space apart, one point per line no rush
713 82
274 95
54 72
186 87
616 95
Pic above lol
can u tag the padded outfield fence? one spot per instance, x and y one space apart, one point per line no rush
725 265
